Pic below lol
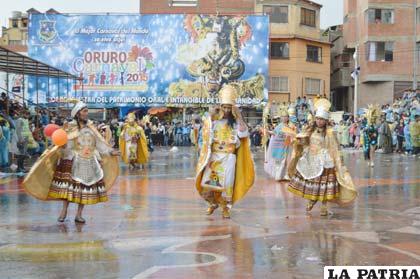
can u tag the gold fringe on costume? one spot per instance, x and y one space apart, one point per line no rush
39 180
142 151
244 169
322 188
346 187
63 187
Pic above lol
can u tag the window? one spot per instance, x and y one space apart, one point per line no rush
380 16
278 14
418 15
313 54
14 23
308 17
183 3
379 51
25 22
279 84
418 52
279 50
15 42
313 86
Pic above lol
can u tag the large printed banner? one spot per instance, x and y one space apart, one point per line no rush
150 59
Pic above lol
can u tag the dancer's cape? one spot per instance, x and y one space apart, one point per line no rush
142 151
38 181
244 170
347 190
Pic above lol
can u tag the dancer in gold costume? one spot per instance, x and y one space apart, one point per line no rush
79 172
316 170
133 143
225 171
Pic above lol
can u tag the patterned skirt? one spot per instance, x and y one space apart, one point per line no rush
65 188
322 188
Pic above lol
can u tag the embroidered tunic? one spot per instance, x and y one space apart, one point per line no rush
219 173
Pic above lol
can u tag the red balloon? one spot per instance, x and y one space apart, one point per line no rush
50 129
59 137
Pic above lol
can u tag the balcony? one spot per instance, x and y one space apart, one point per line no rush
342 78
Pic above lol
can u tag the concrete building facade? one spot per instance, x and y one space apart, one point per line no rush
342 66
303 66
15 35
387 36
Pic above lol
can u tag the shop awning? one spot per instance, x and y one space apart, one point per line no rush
159 110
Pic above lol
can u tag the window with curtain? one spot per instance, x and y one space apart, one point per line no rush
313 86
385 16
279 50
279 84
379 51
308 17
313 54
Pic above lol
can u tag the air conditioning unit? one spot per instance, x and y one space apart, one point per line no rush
183 3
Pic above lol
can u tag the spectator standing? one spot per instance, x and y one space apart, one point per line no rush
407 137
4 144
178 133
399 130
415 134
45 119
186 135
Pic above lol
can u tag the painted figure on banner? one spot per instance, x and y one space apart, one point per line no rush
316 170
81 171
280 146
225 170
133 143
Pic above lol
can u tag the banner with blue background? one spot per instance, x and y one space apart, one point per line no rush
137 60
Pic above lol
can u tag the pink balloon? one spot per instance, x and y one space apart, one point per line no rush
50 129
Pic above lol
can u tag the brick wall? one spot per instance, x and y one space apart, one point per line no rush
203 7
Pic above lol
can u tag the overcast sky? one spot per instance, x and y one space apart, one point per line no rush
331 13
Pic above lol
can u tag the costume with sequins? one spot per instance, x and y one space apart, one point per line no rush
79 175
316 169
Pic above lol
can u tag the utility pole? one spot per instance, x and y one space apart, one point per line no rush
415 54
356 79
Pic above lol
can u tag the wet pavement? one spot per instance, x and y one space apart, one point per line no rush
154 226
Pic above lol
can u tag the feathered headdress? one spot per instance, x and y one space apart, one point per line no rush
373 113
322 107
266 111
146 119
282 110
